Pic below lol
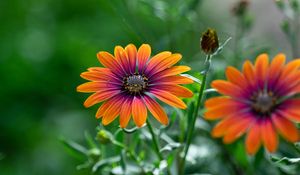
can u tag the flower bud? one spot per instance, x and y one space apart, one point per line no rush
209 41
240 8
94 154
104 136
285 26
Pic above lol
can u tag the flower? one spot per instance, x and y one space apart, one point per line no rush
129 81
240 7
209 41
260 101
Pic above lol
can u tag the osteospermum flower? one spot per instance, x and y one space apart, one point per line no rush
259 101
130 81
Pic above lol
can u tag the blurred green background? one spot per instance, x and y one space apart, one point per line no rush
46 44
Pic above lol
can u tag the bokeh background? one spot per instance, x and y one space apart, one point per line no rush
46 44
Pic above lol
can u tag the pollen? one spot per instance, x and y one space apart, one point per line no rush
135 83
263 102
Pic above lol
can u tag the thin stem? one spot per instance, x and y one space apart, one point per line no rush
131 153
191 128
156 146
295 43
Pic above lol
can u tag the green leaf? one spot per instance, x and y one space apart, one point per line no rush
240 154
104 162
171 157
74 147
123 161
207 91
297 145
170 147
285 160
90 140
287 165
192 77
85 165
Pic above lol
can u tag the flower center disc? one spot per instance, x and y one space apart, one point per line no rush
264 102
135 83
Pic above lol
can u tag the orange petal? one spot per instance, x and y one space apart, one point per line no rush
95 86
97 69
131 53
155 60
169 98
289 83
295 90
99 97
221 111
292 114
261 66
222 127
156 110
276 67
269 136
122 58
236 77
176 90
165 63
107 60
125 113
253 139
98 75
227 88
248 71
175 79
216 101
238 128
285 127
139 111
112 112
290 67
101 110
173 71
143 55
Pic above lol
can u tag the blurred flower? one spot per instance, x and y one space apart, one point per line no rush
294 4
240 8
129 81
279 3
260 101
209 41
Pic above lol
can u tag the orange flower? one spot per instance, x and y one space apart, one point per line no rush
129 81
259 101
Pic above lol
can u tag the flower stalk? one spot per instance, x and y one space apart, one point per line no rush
156 145
192 127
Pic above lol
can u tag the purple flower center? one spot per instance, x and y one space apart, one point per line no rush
136 83
263 102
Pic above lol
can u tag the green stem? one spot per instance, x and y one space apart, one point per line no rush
156 146
191 128
131 153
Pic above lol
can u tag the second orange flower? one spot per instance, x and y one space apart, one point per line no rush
260 101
